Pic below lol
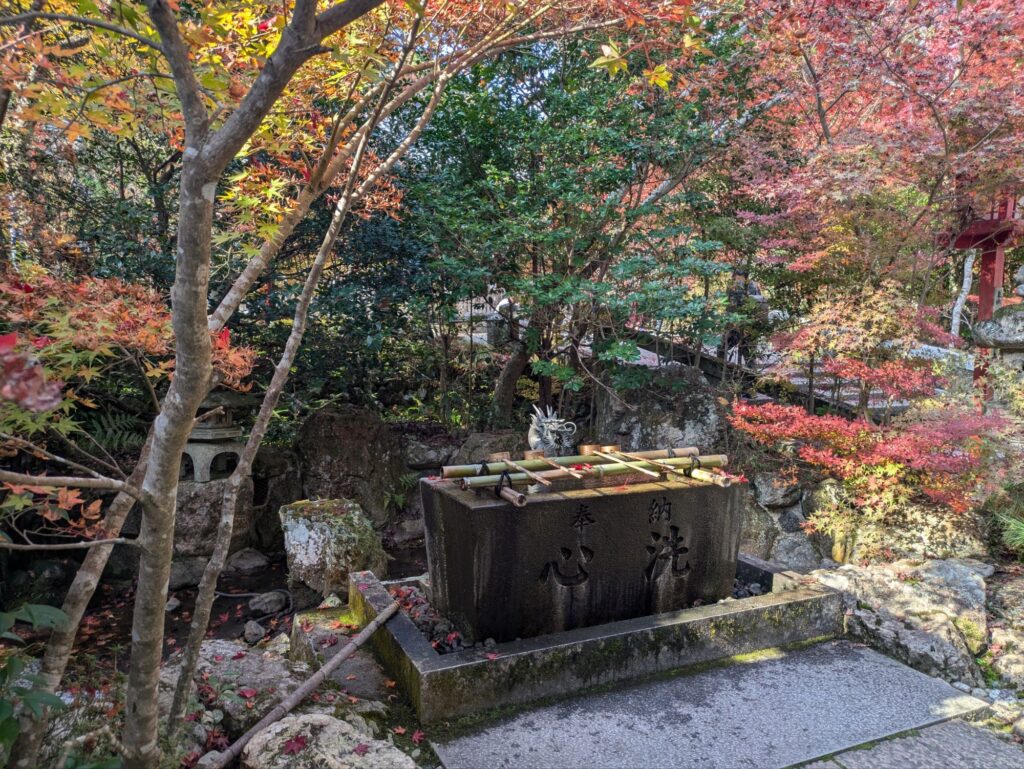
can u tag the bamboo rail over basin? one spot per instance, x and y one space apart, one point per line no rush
499 466
597 470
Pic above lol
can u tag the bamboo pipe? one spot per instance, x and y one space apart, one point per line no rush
634 463
599 470
517 498
462 471
703 475
657 463
539 456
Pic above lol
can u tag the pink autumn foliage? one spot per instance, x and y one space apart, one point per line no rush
937 455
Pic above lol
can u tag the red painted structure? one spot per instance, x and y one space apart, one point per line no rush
992 232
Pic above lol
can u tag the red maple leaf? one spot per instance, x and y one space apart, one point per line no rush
417 737
295 745
238 656
491 656
248 692
361 749
399 730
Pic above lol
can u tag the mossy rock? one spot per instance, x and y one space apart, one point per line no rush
325 540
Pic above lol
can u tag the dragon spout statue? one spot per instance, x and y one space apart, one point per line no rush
550 434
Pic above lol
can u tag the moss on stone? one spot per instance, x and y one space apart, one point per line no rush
328 538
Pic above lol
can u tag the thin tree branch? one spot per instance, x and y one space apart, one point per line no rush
59 481
40 451
8 21
68 545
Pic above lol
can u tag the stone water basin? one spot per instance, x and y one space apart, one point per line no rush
579 557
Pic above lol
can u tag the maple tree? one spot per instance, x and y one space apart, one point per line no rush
942 457
622 159
227 83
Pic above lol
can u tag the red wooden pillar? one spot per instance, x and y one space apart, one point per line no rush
993 262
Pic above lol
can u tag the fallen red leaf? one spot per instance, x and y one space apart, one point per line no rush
295 745
248 692
399 730
491 656
361 749
238 656
390 684
417 737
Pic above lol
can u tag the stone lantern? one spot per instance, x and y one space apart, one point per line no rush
215 446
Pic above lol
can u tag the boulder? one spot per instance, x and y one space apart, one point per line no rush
1007 650
247 561
325 540
795 551
954 589
931 614
1005 331
408 532
427 452
930 644
198 514
1006 598
186 571
253 632
792 520
918 531
268 603
324 742
678 409
349 453
276 482
774 490
759 530
478 446
170 671
244 683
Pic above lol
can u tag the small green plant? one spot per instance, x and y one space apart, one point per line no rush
1012 524
116 431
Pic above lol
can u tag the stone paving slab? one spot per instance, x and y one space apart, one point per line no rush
785 708
951 745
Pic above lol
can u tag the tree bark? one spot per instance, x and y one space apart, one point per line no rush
965 289
192 380
25 752
208 584
505 386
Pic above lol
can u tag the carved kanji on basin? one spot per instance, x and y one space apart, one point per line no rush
579 557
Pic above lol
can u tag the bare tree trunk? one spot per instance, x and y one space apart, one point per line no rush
25 752
204 159
192 380
208 584
505 386
965 289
